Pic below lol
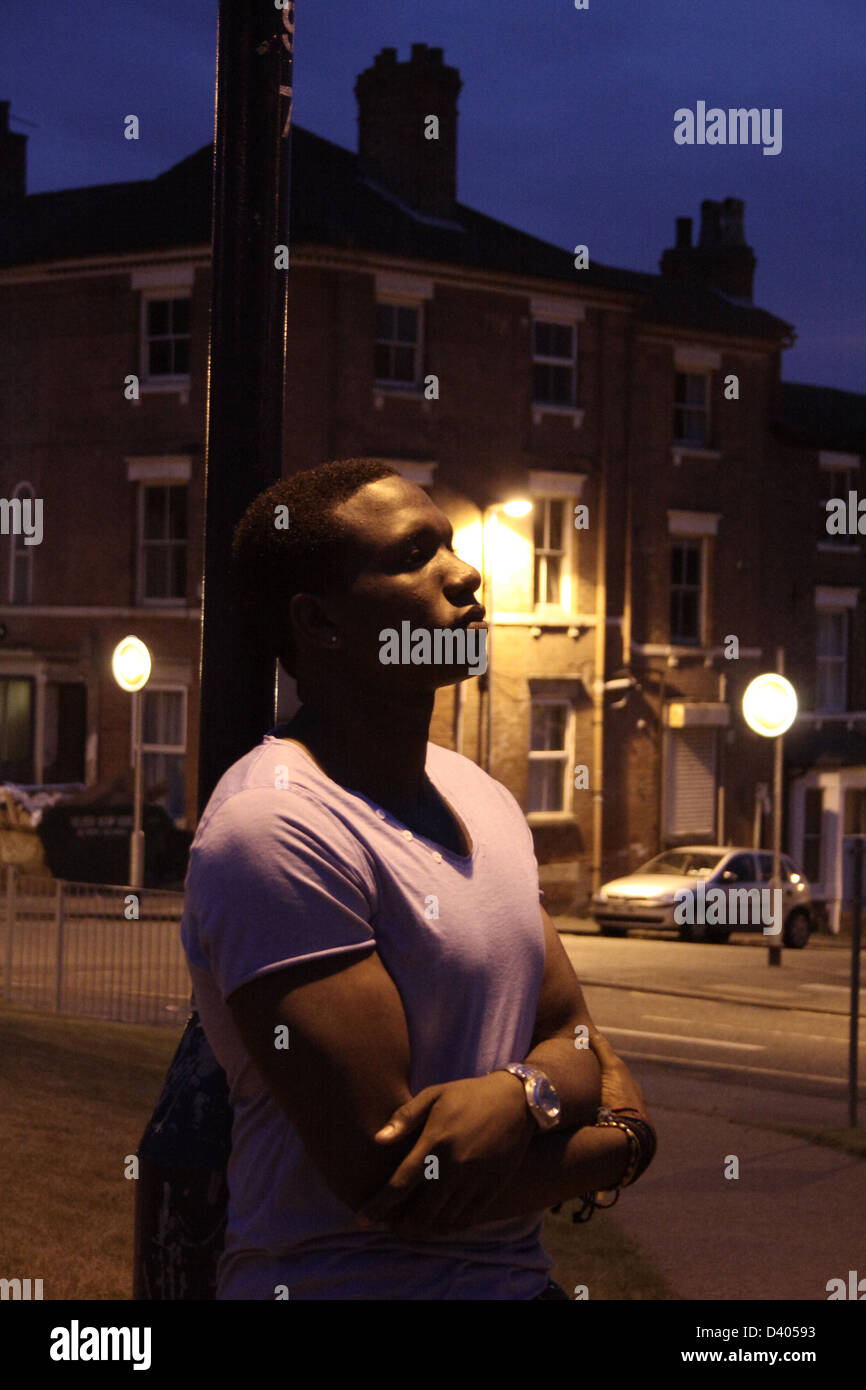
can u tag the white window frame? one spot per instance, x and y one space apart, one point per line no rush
141 599
568 574
548 361
822 662
162 380
553 755
388 385
692 526
700 541
164 687
707 377
19 553
556 309
836 465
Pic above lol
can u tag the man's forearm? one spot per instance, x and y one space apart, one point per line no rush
575 1073
560 1166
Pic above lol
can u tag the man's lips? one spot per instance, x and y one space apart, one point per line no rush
473 619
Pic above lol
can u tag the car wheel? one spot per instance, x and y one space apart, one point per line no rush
796 932
694 931
607 930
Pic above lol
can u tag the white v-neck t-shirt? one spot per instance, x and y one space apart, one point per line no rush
286 866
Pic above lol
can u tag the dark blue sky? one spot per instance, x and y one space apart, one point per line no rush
566 121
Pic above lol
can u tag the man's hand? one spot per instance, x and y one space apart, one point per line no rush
478 1129
619 1090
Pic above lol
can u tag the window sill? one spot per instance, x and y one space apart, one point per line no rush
550 619
394 391
155 387
573 413
693 451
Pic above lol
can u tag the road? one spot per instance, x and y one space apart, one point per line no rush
721 1010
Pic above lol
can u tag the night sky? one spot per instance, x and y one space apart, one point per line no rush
566 121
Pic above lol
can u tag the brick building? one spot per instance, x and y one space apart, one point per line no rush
676 482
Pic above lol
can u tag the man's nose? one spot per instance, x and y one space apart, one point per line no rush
462 578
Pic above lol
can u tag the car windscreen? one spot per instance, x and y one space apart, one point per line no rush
683 861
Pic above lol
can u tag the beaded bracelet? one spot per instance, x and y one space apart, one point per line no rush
642 1147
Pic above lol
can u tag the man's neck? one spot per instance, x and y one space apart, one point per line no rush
369 745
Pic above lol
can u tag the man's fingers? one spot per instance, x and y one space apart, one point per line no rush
400 1184
408 1116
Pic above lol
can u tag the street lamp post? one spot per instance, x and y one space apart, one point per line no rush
130 666
769 709
517 508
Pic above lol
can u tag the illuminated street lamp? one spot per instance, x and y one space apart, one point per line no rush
517 507
769 709
130 666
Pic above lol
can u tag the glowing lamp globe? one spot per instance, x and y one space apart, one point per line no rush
770 705
130 664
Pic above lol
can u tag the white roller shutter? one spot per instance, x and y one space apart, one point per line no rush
690 807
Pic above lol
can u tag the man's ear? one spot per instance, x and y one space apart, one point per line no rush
310 621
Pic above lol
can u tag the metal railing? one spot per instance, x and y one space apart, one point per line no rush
93 950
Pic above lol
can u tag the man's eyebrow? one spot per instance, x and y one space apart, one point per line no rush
421 531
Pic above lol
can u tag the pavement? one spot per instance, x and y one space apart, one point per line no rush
793 1217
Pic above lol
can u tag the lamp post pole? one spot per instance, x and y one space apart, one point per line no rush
769 709
136 843
131 666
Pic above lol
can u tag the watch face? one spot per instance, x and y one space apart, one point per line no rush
546 1097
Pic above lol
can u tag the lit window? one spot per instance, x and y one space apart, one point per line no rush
549 757
163 543
691 408
685 592
831 694
166 337
550 551
554 372
163 748
16 728
398 344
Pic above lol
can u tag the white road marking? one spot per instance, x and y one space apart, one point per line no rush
846 989
681 1037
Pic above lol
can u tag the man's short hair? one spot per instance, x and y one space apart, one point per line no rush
277 554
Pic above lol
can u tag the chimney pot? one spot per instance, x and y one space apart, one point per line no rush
722 258
394 101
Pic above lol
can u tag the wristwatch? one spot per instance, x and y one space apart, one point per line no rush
541 1094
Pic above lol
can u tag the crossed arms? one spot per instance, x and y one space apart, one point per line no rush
345 1076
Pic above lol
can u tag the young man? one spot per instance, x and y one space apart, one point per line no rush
364 935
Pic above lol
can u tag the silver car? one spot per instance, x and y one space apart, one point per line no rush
704 892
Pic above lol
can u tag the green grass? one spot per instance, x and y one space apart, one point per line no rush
841 1137
598 1254
77 1095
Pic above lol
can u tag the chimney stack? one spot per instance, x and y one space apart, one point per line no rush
13 159
394 103
721 258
